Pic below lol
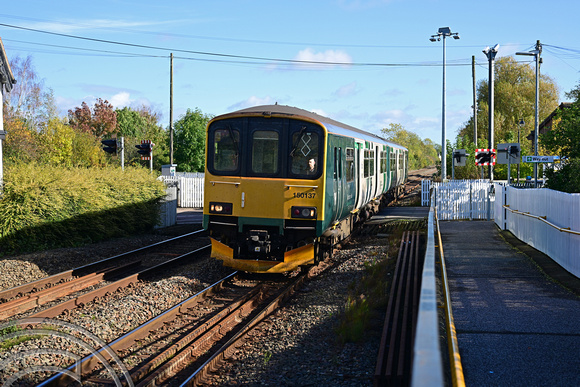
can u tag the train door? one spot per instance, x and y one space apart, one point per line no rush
337 183
360 177
379 185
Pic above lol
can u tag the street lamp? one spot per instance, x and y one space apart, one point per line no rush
443 32
535 53
490 53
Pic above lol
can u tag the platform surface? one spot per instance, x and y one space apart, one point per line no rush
515 325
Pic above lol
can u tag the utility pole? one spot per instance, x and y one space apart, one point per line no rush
171 110
536 54
490 53
474 102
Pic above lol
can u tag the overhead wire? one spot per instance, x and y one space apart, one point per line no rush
234 58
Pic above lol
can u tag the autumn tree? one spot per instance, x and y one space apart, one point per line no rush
422 153
514 100
100 121
27 109
190 140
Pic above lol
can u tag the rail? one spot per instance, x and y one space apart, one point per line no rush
394 361
543 219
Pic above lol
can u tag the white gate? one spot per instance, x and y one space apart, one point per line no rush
463 199
190 190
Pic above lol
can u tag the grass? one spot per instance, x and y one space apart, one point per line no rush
368 296
6 344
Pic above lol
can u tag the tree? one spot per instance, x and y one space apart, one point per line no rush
564 140
101 121
190 141
514 99
22 143
28 100
57 143
422 153
142 124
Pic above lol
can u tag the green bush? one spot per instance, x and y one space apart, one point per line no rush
46 207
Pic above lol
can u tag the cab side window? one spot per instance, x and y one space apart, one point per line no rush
304 154
226 149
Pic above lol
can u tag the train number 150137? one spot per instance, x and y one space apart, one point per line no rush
304 195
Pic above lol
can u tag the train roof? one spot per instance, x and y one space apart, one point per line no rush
332 125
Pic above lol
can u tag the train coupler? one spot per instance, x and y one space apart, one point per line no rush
258 242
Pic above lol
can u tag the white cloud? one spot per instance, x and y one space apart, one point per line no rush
333 57
347 90
72 26
121 100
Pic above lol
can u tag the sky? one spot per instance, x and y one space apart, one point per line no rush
366 63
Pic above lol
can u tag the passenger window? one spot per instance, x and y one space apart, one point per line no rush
349 164
226 150
265 152
304 153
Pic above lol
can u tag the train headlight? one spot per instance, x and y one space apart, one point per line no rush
220 208
303 212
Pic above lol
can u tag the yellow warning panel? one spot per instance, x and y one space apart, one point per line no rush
292 259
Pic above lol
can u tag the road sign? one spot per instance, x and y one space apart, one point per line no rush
485 157
540 159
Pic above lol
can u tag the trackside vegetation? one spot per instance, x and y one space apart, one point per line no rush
44 206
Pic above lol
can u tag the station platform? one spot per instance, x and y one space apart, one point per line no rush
517 317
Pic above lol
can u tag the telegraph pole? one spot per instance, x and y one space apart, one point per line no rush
171 110
536 54
474 102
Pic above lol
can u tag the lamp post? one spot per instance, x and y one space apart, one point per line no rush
490 53
535 53
521 123
443 32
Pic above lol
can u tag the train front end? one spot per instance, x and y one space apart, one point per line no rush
264 190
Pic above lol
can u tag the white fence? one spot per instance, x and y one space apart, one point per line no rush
545 219
460 199
189 189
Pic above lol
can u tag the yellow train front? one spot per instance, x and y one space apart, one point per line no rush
282 186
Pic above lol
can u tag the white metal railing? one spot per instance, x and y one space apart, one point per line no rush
545 219
427 358
461 199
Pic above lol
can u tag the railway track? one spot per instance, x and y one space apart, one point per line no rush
103 276
191 338
396 347
161 350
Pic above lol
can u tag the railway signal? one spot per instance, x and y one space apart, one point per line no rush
145 149
459 157
110 146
